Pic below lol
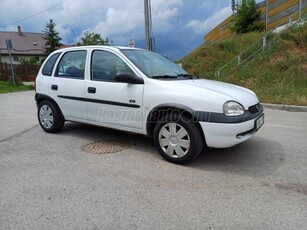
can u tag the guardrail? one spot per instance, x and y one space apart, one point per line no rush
261 44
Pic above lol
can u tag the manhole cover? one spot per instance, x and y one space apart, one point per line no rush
108 146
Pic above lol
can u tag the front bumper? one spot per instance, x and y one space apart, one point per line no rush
230 132
220 135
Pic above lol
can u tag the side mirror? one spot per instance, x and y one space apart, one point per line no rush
127 78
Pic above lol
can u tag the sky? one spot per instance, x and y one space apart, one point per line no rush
179 26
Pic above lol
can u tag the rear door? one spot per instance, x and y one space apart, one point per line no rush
108 102
68 84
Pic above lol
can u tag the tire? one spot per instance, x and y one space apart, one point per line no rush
177 139
49 117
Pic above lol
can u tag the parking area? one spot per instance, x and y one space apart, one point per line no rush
49 181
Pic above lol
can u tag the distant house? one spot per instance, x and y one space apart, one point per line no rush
26 45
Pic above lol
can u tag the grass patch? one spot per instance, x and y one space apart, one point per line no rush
8 87
279 75
207 58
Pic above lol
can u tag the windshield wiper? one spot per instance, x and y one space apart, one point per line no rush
163 76
187 76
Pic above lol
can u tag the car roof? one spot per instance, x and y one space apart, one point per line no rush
115 48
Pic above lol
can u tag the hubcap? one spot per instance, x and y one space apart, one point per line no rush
174 140
46 116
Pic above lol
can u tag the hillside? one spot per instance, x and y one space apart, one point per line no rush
279 75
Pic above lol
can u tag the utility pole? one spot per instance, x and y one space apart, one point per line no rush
147 23
300 12
9 46
233 6
266 14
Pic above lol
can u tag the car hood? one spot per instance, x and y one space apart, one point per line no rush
225 91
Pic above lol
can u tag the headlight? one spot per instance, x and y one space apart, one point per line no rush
232 109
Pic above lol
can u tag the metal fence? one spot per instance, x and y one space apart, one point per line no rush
260 45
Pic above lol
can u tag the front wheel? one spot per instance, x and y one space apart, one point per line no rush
49 117
178 140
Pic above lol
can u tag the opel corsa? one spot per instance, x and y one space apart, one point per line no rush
139 91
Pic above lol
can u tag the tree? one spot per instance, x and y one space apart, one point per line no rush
247 18
91 38
52 37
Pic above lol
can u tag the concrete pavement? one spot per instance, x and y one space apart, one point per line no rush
49 182
17 113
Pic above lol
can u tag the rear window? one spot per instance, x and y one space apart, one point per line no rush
47 70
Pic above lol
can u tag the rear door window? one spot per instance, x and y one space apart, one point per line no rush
72 65
47 70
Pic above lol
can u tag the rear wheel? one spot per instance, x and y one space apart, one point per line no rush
178 140
49 117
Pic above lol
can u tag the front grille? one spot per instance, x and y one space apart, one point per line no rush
254 109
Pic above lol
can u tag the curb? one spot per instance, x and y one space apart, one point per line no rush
28 83
291 108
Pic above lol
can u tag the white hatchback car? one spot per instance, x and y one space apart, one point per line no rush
142 92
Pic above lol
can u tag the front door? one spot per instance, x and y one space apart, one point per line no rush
109 102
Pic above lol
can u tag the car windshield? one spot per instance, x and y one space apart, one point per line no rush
155 65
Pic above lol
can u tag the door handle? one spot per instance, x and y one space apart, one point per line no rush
54 87
91 90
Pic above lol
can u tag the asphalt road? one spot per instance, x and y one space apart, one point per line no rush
49 182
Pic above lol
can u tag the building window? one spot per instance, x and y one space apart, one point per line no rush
15 58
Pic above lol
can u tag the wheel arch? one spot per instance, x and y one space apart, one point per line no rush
165 109
42 97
